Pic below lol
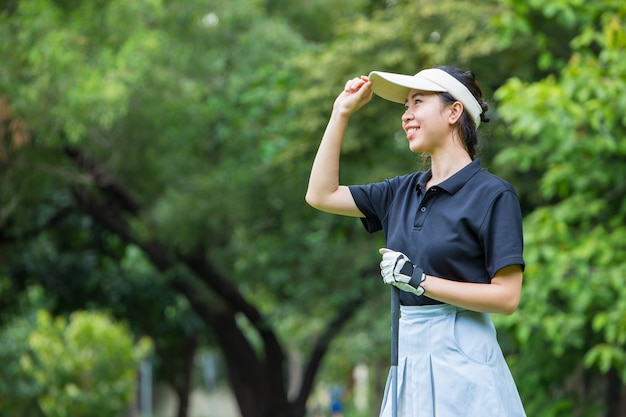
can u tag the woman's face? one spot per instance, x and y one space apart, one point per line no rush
425 121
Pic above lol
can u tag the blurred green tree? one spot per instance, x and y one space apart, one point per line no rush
86 365
570 135
141 125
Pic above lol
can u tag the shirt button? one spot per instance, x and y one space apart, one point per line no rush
423 209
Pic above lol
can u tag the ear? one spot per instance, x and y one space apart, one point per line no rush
456 110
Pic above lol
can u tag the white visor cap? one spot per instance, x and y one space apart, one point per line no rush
396 87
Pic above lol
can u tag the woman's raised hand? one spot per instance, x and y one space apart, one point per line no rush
356 94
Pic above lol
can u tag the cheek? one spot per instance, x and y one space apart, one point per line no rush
431 115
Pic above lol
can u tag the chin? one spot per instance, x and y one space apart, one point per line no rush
415 148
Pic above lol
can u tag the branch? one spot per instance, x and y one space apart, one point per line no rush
106 182
112 213
237 350
120 201
55 219
223 288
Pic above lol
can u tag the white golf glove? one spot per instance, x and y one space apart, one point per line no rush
397 269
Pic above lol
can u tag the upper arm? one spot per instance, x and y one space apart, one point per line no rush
340 201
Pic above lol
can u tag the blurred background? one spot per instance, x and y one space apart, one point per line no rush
157 257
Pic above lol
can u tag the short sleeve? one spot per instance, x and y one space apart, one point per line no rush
369 199
501 233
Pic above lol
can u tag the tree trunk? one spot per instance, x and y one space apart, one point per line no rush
614 388
181 383
184 388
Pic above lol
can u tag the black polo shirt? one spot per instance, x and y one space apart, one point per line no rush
463 229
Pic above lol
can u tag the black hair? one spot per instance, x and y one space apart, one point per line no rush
467 126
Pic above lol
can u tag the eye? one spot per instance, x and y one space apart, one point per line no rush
414 103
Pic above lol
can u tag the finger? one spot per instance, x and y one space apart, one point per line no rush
383 251
356 86
387 256
385 266
353 84
386 269
363 89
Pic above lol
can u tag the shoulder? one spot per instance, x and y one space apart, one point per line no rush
486 191
398 183
487 182
410 180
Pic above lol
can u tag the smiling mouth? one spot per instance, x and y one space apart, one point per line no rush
411 130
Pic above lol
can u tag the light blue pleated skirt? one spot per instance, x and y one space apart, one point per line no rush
450 365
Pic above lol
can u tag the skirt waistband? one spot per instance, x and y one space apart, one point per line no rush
429 310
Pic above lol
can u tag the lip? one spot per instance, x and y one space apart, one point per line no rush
411 131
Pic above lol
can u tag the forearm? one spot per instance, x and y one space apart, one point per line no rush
324 191
502 295
324 178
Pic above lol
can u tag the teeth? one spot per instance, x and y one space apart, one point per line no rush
411 130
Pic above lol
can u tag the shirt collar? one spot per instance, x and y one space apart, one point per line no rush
456 181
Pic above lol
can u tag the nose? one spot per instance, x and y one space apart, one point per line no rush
407 115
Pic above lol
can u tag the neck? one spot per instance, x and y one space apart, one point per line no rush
444 165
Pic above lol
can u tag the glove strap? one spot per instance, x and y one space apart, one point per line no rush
417 277
408 269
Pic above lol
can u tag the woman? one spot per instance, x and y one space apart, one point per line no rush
455 243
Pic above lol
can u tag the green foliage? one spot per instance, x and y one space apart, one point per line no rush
571 129
89 55
55 367
84 366
18 393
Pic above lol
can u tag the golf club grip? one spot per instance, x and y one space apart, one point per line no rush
395 323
